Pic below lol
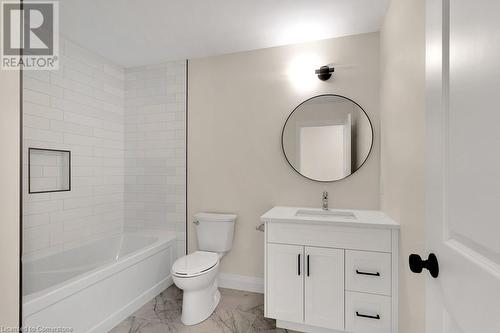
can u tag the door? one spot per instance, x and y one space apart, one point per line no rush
463 165
347 145
324 287
285 284
314 142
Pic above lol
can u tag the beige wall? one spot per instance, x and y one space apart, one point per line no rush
402 148
9 197
237 105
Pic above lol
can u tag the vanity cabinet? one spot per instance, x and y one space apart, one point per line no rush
329 274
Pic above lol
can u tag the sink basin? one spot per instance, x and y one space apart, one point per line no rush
325 213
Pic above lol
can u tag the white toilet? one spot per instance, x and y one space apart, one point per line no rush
196 273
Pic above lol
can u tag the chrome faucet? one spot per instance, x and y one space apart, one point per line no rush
325 200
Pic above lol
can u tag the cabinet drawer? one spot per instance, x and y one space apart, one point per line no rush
367 313
321 235
368 272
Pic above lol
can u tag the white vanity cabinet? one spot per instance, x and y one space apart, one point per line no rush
333 272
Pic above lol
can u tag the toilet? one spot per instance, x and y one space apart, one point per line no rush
196 273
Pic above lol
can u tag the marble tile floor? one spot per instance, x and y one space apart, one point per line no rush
237 312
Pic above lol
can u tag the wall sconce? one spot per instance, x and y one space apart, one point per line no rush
324 72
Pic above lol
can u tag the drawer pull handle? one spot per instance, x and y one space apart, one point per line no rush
367 273
298 264
367 316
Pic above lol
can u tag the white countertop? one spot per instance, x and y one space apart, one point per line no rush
363 218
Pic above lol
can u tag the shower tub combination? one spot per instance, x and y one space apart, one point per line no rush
92 288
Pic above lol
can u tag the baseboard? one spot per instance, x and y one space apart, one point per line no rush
241 282
123 313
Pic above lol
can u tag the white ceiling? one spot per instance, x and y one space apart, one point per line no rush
135 32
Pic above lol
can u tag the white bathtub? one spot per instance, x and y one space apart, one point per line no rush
94 287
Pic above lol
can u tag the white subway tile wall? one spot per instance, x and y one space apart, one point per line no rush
125 129
75 109
155 151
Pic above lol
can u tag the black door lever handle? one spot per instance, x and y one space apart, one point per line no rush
431 264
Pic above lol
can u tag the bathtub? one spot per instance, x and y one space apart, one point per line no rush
94 287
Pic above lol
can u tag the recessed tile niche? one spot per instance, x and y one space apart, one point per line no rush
49 170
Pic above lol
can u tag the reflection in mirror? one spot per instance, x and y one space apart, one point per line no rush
327 138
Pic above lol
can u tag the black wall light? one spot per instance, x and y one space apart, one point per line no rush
324 72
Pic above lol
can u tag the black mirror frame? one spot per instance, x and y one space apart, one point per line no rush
305 101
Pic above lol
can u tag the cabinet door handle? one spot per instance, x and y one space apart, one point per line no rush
367 273
307 265
298 264
367 316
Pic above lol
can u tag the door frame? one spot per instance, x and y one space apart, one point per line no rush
11 197
437 95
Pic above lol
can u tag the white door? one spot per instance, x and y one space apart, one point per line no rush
285 283
314 142
347 145
463 164
324 287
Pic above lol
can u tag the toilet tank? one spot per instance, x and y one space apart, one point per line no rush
215 231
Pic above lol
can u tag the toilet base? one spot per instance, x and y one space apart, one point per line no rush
198 305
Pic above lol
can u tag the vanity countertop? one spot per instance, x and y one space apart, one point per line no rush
339 217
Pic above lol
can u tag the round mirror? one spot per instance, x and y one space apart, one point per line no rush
327 138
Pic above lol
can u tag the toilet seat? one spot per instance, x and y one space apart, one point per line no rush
195 264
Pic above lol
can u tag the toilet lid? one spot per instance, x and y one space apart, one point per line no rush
195 263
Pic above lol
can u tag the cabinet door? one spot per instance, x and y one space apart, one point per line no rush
285 283
324 287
